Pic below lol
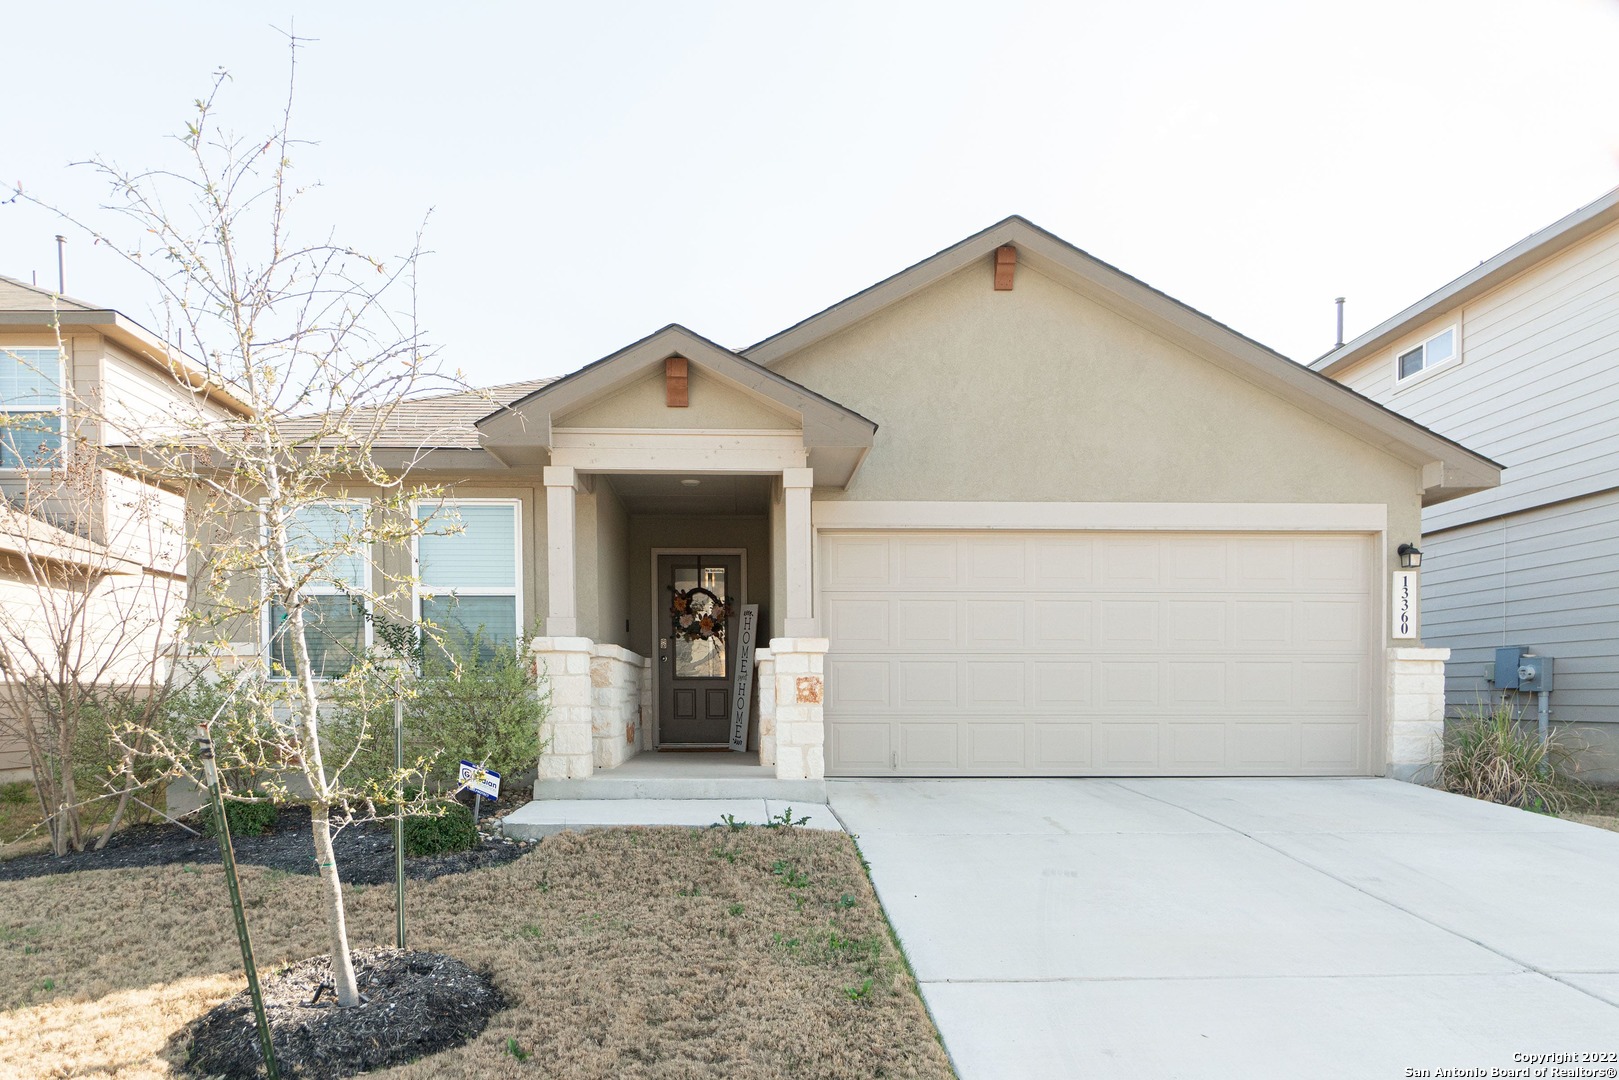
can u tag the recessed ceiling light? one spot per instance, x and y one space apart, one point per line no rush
689 482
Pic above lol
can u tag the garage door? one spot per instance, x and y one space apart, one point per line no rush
1073 654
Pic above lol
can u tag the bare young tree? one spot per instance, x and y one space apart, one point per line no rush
320 342
92 572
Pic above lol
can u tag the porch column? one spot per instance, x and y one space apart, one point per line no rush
800 728
798 620
562 618
798 657
562 667
1416 711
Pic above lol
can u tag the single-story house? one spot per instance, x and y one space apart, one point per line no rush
1010 512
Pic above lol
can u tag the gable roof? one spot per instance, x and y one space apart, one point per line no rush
1450 469
445 421
834 434
28 306
1532 249
18 295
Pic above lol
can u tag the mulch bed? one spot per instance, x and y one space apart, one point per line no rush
412 1004
364 852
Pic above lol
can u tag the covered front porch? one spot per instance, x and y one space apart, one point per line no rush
678 469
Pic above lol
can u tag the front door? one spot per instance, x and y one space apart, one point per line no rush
695 662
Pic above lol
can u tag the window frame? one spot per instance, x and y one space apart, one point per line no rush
267 603
1455 357
64 359
419 590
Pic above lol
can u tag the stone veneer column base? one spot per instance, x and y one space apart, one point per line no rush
567 750
615 683
764 686
800 732
1416 712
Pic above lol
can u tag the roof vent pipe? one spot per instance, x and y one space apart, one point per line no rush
1340 303
61 277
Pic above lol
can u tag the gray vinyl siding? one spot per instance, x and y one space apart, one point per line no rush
1537 387
1546 578
1535 561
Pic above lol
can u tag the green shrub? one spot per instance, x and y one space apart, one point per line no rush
474 700
440 834
482 706
1490 754
244 818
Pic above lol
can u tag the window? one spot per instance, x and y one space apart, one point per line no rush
1437 350
30 406
336 628
469 578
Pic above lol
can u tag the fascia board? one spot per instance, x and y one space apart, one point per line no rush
822 419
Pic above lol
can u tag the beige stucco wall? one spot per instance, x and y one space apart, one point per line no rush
1039 394
712 403
612 604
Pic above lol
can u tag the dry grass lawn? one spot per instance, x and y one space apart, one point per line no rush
659 953
1601 808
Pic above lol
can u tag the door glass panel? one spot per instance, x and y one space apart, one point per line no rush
700 659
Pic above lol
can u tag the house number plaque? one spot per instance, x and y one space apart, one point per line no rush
1404 604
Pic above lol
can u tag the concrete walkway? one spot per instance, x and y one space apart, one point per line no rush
546 817
1242 928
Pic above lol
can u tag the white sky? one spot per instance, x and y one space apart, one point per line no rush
598 170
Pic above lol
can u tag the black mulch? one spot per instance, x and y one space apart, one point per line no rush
365 853
413 1004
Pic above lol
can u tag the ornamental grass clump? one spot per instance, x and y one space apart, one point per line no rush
1490 754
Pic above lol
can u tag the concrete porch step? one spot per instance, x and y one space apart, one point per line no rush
654 775
608 786
548 817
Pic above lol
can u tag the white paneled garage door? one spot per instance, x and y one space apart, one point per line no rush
1058 653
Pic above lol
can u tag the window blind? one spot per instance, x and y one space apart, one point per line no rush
483 556
324 525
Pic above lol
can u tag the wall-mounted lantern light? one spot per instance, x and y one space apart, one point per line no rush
1410 556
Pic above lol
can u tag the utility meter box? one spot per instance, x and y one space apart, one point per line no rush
1518 668
1534 673
1504 673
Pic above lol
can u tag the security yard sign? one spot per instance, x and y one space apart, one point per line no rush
485 782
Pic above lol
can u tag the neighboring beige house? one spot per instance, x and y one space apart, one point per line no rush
122 537
1520 358
1007 513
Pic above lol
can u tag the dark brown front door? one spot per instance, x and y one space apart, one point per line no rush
694 675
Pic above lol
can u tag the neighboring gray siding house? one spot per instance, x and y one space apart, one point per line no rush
1519 359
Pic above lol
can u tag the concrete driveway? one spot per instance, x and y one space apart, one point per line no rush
1243 928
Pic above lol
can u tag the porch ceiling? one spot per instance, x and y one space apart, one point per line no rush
714 493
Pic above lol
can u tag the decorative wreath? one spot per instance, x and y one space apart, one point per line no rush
698 615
